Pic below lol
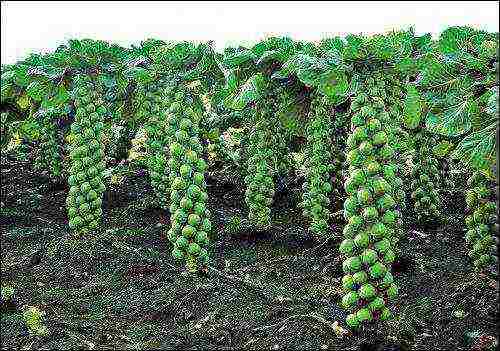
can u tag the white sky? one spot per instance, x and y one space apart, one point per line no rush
43 25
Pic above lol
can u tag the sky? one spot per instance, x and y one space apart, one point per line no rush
41 26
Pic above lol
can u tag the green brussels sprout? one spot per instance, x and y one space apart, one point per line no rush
382 246
370 214
364 196
194 220
367 291
177 254
181 242
373 168
360 277
352 264
352 320
366 148
346 246
362 240
380 138
377 304
194 249
386 314
374 125
364 314
369 257
185 203
348 282
392 291
350 299
377 270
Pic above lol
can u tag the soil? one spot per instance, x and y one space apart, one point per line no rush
119 288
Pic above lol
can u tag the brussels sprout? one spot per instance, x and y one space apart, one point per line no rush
369 256
194 220
385 314
380 138
362 240
347 246
378 230
372 218
360 277
377 304
367 291
364 314
352 264
177 254
373 168
351 205
188 231
194 248
481 223
366 148
392 291
348 282
350 299
370 214
364 196
185 203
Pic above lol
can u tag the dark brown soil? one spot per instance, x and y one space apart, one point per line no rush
119 288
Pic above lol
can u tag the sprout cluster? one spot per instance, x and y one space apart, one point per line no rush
86 158
340 130
316 188
157 140
118 131
49 156
189 216
261 166
370 209
480 221
398 138
425 175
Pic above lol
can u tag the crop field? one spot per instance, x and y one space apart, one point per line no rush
330 195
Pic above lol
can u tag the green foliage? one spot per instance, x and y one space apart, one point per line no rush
413 108
182 94
478 149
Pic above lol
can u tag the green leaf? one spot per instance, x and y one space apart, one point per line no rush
61 97
249 92
22 78
492 104
442 149
453 120
239 58
412 113
8 77
478 149
335 85
36 90
309 70
139 74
